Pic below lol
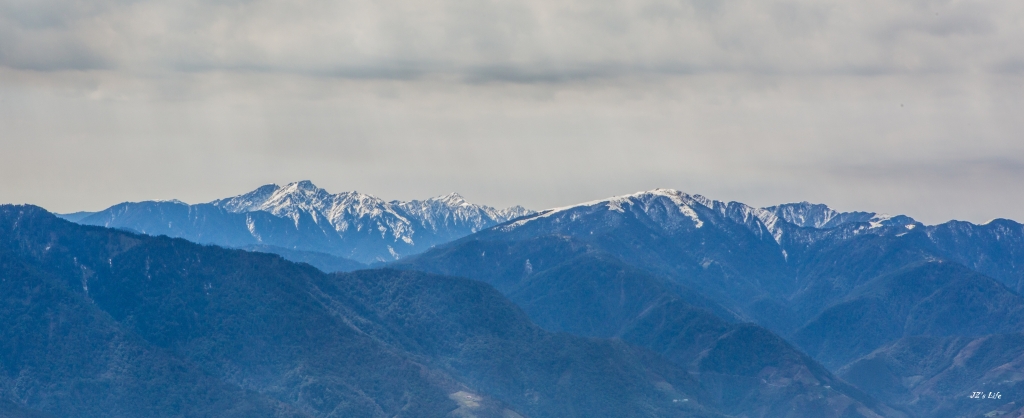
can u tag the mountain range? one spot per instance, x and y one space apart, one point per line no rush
790 310
837 286
302 217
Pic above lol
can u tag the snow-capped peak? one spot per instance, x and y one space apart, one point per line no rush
451 199
354 212
682 201
248 202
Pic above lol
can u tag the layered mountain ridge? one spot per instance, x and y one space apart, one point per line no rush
763 306
836 285
107 323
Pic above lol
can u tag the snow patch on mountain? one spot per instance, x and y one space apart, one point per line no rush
810 215
878 220
643 200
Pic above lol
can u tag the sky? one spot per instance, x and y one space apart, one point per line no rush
913 107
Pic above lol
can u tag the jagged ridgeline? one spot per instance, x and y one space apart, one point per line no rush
301 217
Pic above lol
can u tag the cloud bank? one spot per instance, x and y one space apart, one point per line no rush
889 106
513 40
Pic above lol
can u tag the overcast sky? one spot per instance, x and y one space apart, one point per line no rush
912 107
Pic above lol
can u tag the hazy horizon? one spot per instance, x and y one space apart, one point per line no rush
909 108
470 200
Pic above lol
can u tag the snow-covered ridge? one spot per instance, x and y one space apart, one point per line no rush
453 209
357 212
303 217
682 201
774 221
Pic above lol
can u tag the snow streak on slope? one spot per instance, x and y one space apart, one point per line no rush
811 215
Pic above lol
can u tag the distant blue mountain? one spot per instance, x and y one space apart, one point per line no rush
683 276
302 217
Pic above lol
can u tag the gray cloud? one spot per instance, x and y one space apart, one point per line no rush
511 40
874 105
